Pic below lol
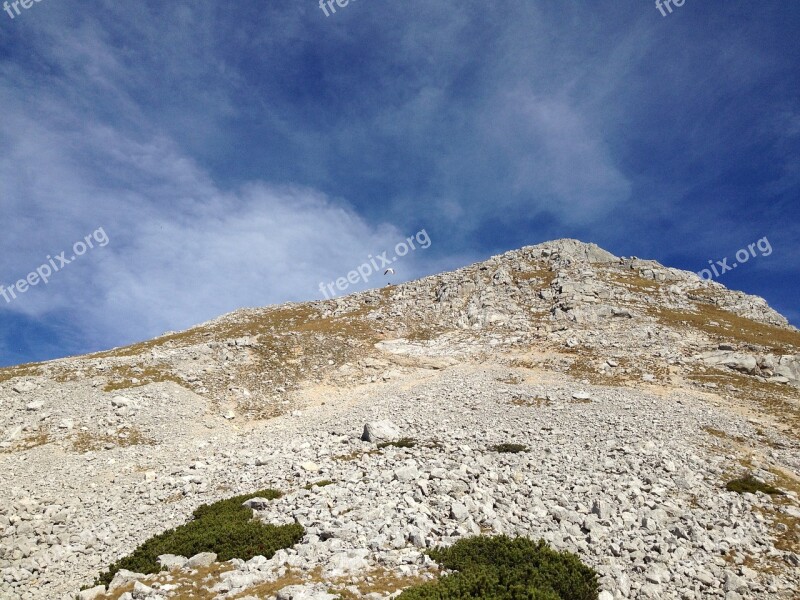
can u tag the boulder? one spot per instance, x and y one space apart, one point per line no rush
789 367
124 577
120 401
203 559
171 562
380 431
143 592
738 361
92 593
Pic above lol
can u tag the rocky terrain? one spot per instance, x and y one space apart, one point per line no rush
635 392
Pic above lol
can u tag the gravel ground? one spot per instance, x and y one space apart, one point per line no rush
630 481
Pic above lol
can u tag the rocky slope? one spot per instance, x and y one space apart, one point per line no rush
637 390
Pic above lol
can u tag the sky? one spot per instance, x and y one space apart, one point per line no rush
196 158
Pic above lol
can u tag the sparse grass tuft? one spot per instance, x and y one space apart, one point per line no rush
537 401
126 377
323 483
750 485
503 568
403 443
510 448
225 528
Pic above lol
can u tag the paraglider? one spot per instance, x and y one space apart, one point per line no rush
388 271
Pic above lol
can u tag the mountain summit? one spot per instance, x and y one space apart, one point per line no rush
638 395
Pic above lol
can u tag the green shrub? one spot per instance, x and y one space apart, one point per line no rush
503 568
510 448
226 528
749 484
404 443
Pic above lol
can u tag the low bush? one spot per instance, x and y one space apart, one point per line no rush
225 528
503 568
510 448
751 485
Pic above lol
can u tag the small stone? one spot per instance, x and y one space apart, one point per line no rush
602 509
406 474
458 512
24 386
733 583
256 503
120 401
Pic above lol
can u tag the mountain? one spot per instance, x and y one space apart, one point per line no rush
636 392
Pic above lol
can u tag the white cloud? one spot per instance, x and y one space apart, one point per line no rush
182 250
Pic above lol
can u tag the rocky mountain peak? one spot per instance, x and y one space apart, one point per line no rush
636 390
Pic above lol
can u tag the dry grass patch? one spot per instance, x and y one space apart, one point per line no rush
125 377
405 442
85 441
269 589
27 370
780 401
191 584
722 435
510 379
631 280
355 455
590 366
786 527
540 275
31 440
730 327
379 581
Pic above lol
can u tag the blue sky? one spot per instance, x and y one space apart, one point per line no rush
238 154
